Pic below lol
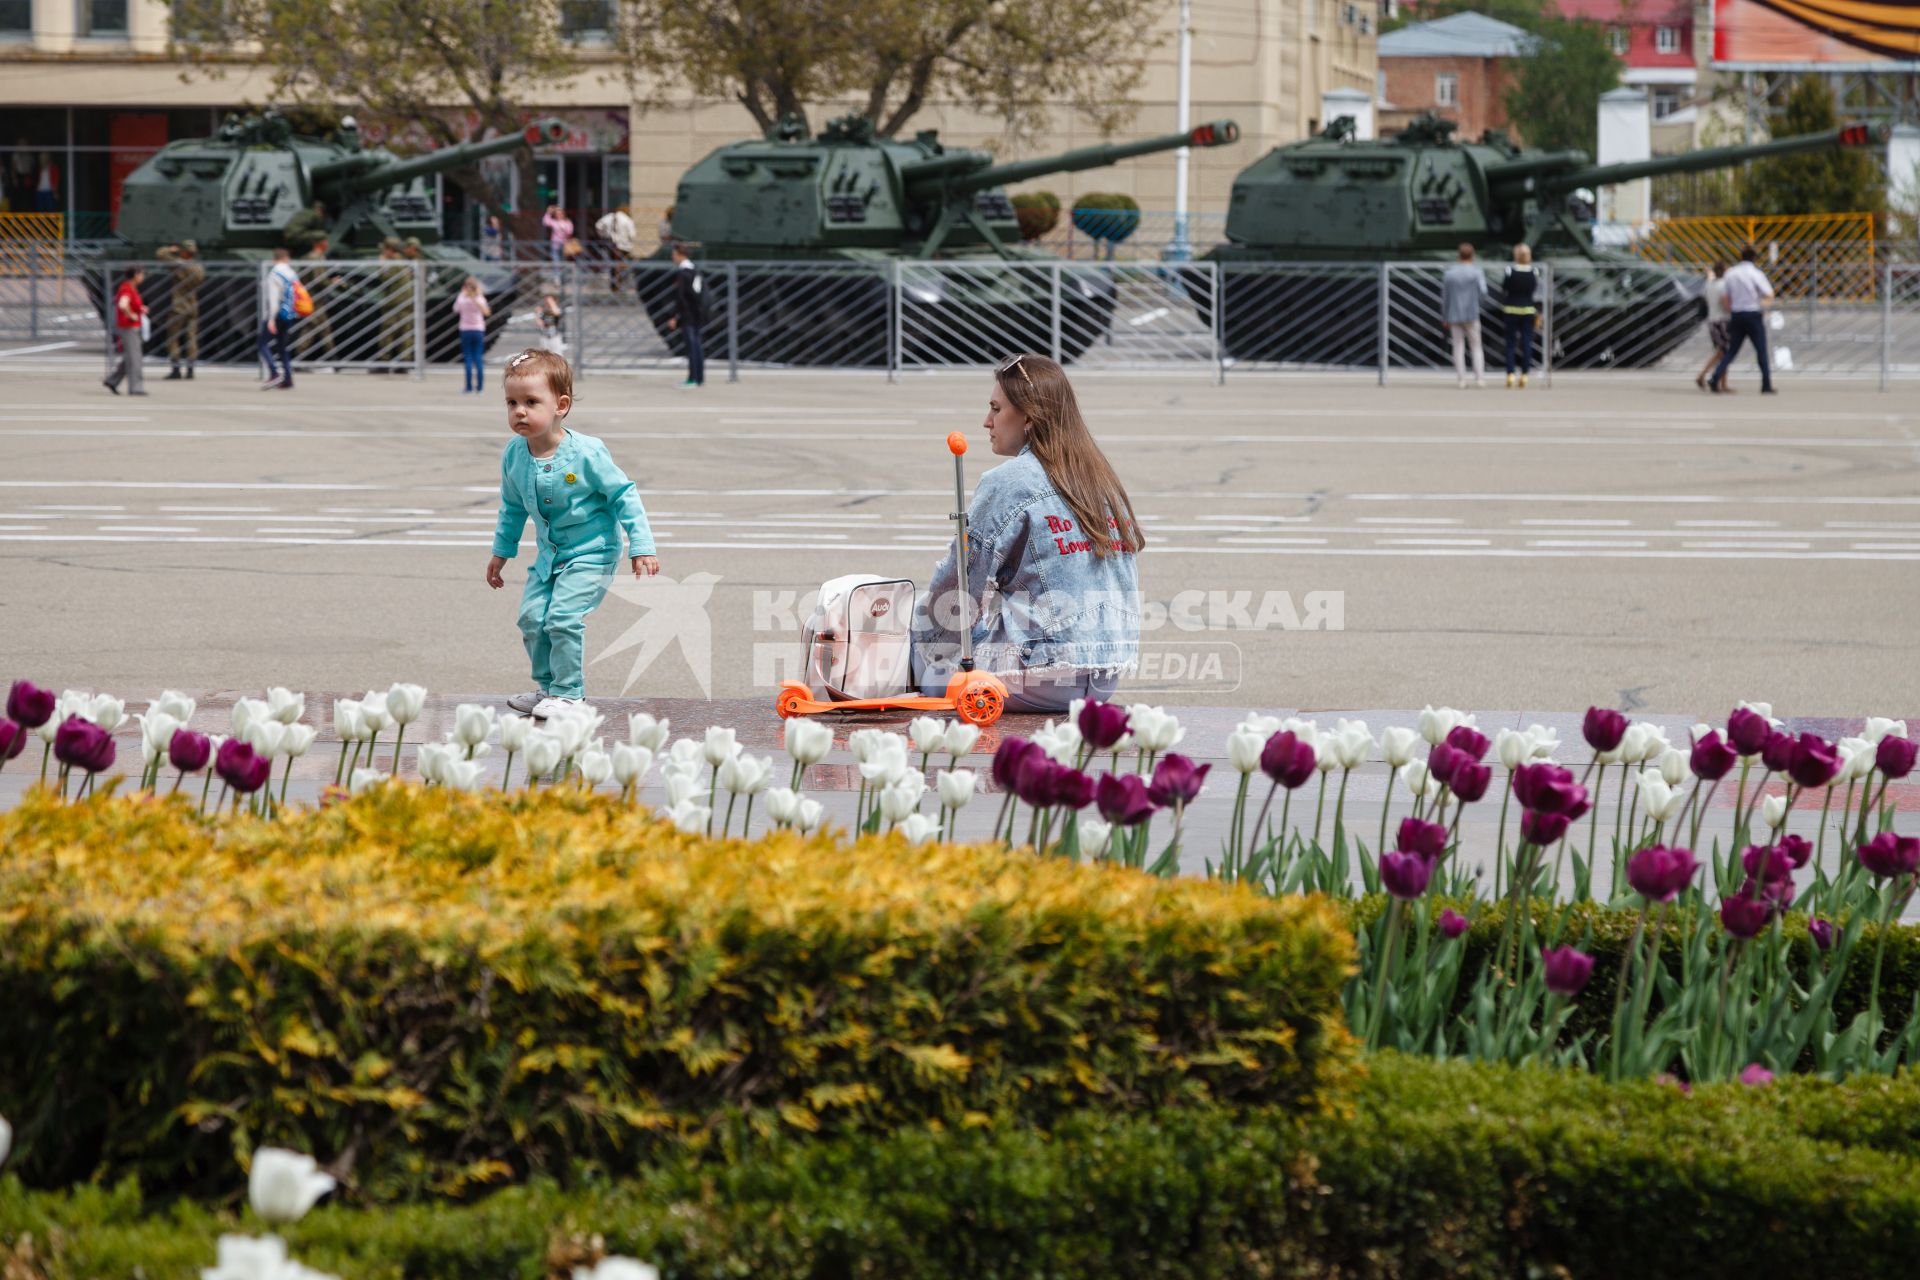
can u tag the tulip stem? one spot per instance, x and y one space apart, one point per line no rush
1259 823
205 788
507 772
1593 829
727 825
1500 853
340 767
1236 834
1319 805
1620 987
1000 819
285 775
1386 803
1340 807
178 778
1384 958
46 751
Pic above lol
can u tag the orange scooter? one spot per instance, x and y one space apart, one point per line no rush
977 697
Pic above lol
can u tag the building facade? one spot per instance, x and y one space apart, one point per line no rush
1457 67
1654 40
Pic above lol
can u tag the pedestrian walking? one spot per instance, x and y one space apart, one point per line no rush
1715 294
552 318
689 317
1749 293
617 227
183 305
278 294
130 329
1463 287
493 240
471 306
1519 290
581 504
559 230
396 308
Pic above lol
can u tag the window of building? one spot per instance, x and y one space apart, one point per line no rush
1446 89
102 17
586 19
16 17
1667 100
1666 39
1617 40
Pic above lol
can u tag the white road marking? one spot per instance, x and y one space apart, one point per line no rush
1574 542
1748 546
1872 524
197 510
1579 524
1433 542
77 508
1277 541
1886 546
148 528
1726 524
1408 520
45 346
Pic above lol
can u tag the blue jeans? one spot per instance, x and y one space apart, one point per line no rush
473 357
1745 326
556 250
273 347
696 355
1520 333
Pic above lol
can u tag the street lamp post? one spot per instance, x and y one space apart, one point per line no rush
1180 249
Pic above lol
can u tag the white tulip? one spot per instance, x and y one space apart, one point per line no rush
807 741
1094 836
543 753
887 762
630 764
157 729
248 711
690 817
1398 744
1417 781
1265 726
682 788
1243 750
902 798
373 709
405 702
68 704
928 734
811 813
1153 729
431 759
514 731
1773 811
248 1258
461 775
1857 759
1763 709
1699 731
363 778
961 738
106 711
617 1268
719 746
297 740
956 787
745 775
575 727
595 766
1060 741
1326 761
685 754
864 742
1306 731
1352 744
349 725
283 1185
268 737
285 705
645 731
1660 800
1675 767
1878 727
783 806
1655 744
918 828
1437 722
473 724
181 707
1545 741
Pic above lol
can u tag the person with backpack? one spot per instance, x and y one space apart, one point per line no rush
283 300
689 317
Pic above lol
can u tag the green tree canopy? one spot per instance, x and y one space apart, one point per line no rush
1831 180
1554 99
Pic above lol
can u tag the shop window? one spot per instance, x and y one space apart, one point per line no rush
1446 89
102 17
16 17
586 19
1666 39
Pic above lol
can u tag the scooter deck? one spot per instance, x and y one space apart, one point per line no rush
815 707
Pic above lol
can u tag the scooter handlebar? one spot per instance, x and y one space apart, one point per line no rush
956 442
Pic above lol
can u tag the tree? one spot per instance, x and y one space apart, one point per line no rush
1830 180
1011 58
1554 99
425 63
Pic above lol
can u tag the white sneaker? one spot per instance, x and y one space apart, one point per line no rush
549 707
524 703
1461 383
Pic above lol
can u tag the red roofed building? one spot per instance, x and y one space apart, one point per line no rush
1654 38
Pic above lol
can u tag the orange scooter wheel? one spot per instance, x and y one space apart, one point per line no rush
788 701
981 700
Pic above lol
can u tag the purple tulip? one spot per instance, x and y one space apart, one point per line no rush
1814 762
1748 730
82 744
1072 789
1894 756
1659 873
30 705
1542 828
1102 724
1821 931
1767 864
241 768
1428 839
1034 781
1443 760
1122 799
1890 855
1777 754
1797 848
1603 728
1548 788
1756 1075
1287 760
1006 760
1452 924
1470 781
1713 757
188 751
13 740
1176 780
1744 914
1405 875
1567 970
1468 739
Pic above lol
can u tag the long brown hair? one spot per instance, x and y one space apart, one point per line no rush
1058 435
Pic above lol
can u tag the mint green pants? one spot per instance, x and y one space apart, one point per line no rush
553 623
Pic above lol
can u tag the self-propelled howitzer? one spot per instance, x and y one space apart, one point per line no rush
789 204
1418 195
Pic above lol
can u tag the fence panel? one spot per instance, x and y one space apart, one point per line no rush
1300 316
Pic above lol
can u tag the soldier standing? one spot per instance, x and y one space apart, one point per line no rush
396 305
306 228
183 305
322 285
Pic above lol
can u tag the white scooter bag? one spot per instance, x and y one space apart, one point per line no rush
859 638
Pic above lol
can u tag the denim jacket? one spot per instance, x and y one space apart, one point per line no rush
1038 597
580 502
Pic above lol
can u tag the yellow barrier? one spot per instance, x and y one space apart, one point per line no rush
1828 256
31 243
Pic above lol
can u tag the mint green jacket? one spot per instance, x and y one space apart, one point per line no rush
580 501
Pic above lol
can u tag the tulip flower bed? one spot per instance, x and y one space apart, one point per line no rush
1432 1169
446 991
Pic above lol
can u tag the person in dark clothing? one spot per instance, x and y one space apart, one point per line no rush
690 312
1518 292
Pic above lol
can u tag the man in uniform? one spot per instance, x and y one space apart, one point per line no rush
183 304
396 306
306 228
316 331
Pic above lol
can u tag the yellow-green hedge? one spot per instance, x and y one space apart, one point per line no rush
461 990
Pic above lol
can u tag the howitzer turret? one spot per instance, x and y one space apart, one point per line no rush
848 196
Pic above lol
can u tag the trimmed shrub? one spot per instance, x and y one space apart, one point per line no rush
1038 213
1436 1169
1106 216
449 991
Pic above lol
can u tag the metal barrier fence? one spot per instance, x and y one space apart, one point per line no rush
1825 255
893 316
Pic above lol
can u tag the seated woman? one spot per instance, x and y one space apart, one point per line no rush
1052 592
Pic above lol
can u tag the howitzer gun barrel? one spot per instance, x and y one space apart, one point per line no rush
956 175
1599 175
359 175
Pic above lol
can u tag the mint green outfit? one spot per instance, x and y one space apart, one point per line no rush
581 504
